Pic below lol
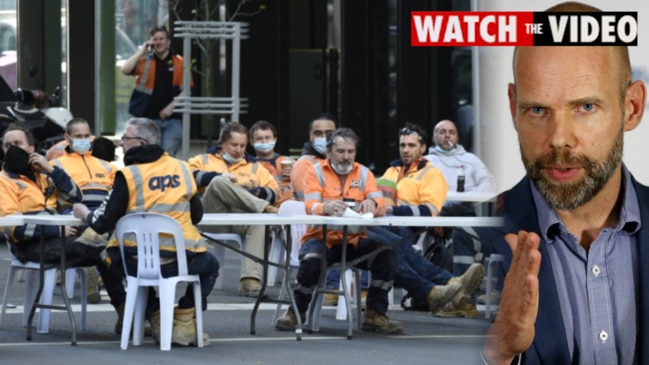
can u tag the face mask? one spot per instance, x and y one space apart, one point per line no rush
17 161
320 145
264 147
229 159
81 145
342 171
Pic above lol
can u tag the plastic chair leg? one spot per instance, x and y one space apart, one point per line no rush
129 309
219 252
139 315
199 314
8 284
31 287
275 255
70 278
493 259
167 296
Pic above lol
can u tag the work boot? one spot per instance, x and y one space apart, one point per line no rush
288 321
495 297
439 295
330 299
271 209
120 322
184 330
249 287
92 283
154 321
459 309
380 322
470 281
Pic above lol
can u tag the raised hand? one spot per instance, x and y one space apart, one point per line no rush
512 332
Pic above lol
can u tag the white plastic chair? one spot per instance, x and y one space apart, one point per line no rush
146 228
293 207
491 263
219 251
31 287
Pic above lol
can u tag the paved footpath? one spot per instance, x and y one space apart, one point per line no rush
426 339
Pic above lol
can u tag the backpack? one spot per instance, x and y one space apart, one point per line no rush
440 253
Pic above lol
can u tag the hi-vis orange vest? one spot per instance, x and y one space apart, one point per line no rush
322 184
165 186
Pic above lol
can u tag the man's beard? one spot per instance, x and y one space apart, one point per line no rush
574 194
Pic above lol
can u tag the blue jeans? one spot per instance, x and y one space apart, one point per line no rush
171 134
203 264
414 273
382 268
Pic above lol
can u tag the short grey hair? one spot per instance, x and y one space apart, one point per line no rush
146 129
344 133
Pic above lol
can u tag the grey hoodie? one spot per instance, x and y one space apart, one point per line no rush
476 175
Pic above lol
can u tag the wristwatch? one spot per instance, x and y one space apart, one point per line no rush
388 209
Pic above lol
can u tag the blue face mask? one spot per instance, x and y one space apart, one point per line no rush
320 145
231 160
264 147
81 145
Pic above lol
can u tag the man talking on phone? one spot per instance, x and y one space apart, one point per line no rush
159 78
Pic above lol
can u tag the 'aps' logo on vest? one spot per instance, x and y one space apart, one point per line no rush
164 182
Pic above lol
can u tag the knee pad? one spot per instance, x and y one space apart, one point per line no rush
309 272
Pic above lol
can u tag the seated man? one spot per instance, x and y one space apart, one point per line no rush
263 137
231 184
419 189
93 176
327 185
136 189
450 157
30 185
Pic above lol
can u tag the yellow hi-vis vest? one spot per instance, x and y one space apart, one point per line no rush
165 186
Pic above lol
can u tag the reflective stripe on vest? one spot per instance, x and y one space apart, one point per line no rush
141 85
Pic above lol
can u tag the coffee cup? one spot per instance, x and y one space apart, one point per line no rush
286 163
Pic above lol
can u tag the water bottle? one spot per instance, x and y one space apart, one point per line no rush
460 179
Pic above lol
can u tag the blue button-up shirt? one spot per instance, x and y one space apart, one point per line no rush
598 288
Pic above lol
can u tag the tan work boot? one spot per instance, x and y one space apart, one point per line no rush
330 299
380 322
459 306
460 309
154 321
439 295
470 281
249 287
92 283
495 297
288 321
271 209
184 330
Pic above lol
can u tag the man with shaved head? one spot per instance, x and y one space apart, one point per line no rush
576 225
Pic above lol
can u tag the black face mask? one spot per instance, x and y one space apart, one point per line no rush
17 161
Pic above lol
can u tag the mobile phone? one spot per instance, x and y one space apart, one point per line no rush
150 48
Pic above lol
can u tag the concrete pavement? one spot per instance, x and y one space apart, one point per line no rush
426 339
